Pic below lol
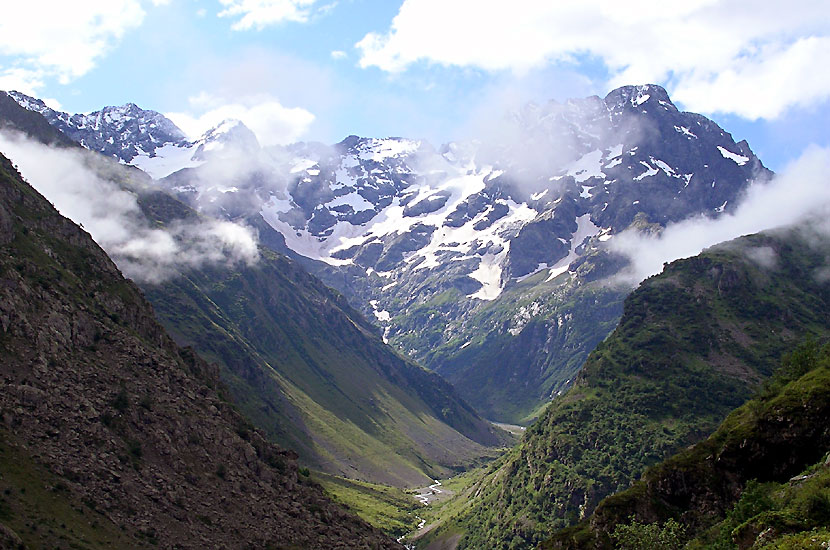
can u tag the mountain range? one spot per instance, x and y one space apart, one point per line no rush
298 361
489 261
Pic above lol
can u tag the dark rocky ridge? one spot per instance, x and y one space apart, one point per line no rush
95 391
12 117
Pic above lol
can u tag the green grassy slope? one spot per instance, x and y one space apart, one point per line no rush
693 343
554 327
740 487
509 356
317 377
388 508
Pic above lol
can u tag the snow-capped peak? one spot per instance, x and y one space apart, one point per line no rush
226 126
636 96
228 137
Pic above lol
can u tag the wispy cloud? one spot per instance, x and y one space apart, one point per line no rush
801 193
258 14
758 67
279 96
113 217
21 79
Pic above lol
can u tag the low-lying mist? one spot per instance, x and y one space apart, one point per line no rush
799 194
114 219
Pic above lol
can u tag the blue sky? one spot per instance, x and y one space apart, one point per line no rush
323 69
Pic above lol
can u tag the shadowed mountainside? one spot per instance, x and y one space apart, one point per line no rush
114 437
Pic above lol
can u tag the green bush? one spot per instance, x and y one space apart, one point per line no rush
649 536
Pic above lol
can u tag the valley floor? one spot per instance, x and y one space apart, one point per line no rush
407 515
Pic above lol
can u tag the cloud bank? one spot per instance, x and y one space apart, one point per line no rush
800 193
754 58
113 218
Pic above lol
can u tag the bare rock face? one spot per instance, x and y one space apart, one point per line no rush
93 390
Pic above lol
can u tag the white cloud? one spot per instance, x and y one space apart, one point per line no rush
22 80
272 123
799 193
63 39
788 77
755 57
28 82
113 218
258 14
338 54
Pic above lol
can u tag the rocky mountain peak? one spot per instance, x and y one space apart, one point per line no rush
123 132
636 96
378 148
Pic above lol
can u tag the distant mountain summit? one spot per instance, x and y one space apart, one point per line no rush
143 138
123 132
229 136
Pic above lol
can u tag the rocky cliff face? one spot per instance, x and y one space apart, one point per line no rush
132 434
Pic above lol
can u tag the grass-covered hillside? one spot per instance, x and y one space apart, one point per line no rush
518 351
762 479
694 343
